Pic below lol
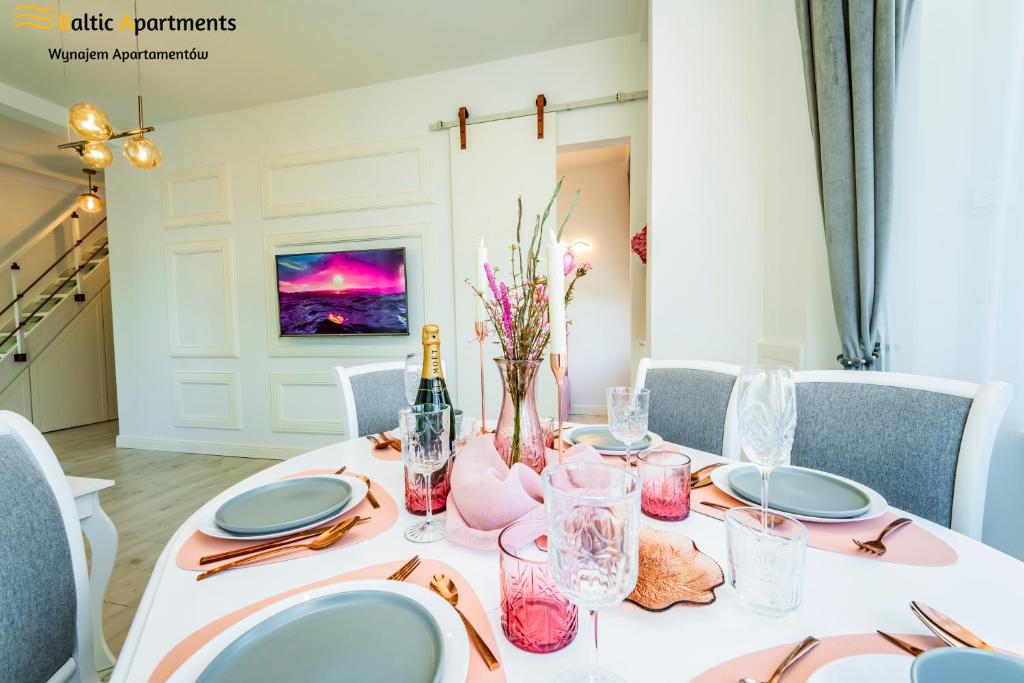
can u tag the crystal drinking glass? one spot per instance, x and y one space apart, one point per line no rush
664 484
627 415
426 447
766 407
413 370
766 561
535 616
593 523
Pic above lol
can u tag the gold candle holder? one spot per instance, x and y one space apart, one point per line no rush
559 368
480 327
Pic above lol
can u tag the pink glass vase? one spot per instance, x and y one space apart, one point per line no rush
519 436
535 616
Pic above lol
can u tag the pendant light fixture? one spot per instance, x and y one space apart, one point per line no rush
89 201
97 155
92 124
141 152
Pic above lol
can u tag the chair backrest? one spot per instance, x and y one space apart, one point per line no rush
692 403
45 618
924 443
371 396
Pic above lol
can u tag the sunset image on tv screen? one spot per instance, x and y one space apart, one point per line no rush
343 292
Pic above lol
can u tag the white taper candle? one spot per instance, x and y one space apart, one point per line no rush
556 295
481 280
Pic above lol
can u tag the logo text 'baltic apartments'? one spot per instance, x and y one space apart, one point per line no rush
40 18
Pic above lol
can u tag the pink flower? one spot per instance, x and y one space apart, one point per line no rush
490 279
506 311
568 261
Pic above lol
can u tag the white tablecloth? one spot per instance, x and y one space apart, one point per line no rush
843 594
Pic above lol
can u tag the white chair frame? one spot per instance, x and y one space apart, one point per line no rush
988 405
343 376
730 436
80 668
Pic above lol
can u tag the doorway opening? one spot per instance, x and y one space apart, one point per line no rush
601 335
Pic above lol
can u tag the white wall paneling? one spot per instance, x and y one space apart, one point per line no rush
197 196
420 273
367 176
305 402
201 299
18 396
206 399
69 377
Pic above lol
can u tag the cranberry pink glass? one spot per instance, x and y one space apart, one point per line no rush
665 485
416 490
535 616
426 449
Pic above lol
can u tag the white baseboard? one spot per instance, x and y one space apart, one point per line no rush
589 409
238 450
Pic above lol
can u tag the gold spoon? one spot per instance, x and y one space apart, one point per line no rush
445 587
322 541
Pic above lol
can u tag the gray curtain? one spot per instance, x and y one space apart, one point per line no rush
851 52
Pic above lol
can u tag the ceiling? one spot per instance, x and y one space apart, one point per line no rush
285 49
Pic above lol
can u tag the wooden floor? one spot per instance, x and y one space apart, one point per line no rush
155 492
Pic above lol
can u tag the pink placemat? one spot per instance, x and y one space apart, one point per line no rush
911 545
199 544
761 664
469 603
388 454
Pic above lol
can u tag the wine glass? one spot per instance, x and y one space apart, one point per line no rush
766 407
413 371
426 447
592 512
627 415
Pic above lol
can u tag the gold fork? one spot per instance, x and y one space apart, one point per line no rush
876 547
403 572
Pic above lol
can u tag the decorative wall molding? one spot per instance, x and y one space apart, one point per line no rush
368 176
217 211
322 385
183 386
421 269
186 323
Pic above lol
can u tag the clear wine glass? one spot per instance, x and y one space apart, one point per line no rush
766 406
627 415
592 512
413 370
426 447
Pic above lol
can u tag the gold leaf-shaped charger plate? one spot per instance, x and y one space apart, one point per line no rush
673 571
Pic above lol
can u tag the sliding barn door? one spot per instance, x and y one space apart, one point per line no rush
503 160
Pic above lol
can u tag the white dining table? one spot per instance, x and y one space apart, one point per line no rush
984 590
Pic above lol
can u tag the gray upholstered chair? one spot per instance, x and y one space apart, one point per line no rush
922 442
45 619
692 403
371 396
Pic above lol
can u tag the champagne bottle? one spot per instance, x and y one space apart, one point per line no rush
432 389
432 385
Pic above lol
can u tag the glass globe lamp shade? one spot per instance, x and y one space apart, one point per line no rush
90 202
97 155
142 152
90 122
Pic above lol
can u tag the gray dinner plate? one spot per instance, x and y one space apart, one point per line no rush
959 664
600 437
283 505
368 636
802 492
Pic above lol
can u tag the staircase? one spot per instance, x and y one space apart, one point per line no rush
39 305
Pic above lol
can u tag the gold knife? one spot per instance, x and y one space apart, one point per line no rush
901 644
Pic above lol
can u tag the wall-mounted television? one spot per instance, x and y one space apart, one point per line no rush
355 292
